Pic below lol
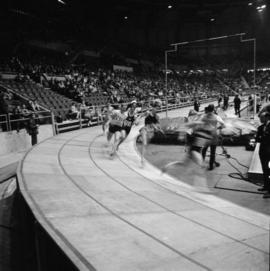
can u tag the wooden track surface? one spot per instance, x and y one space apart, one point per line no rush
114 214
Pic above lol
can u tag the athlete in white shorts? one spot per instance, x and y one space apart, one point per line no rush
117 118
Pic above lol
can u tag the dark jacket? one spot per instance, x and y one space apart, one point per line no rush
32 126
237 101
263 137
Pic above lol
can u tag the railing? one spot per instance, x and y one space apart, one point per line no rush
10 122
4 123
97 119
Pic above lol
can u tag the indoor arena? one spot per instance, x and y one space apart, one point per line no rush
135 135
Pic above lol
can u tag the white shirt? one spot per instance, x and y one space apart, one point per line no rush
117 118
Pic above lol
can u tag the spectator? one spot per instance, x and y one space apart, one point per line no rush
34 105
25 112
73 112
32 128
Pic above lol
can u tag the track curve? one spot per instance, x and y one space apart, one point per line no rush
111 214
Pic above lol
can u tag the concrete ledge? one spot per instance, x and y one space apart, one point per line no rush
12 142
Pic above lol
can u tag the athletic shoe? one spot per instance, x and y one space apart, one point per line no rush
113 153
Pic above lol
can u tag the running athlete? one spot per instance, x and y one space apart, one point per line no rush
151 125
107 111
198 136
193 164
131 118
117 118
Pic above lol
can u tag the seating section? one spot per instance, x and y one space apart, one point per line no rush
46 98
59 85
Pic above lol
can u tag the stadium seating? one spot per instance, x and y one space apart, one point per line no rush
46 98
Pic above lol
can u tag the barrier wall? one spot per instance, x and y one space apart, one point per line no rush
16 142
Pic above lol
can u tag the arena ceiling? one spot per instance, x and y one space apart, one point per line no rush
188 10
144 23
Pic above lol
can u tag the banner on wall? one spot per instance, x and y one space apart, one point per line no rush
147 63
54 77
132 61
91 53
55 46
122 68
8 76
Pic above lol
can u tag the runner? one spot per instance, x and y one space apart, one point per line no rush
107 111
117 118
132 117
198 138
151 125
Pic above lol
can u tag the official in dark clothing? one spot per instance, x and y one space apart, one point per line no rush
225 102
263 137
237 104
32 129
196 105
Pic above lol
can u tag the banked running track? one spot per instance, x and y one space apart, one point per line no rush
112 214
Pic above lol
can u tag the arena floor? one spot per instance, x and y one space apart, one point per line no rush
241 192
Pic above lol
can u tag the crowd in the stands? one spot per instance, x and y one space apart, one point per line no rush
81 82
18 109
